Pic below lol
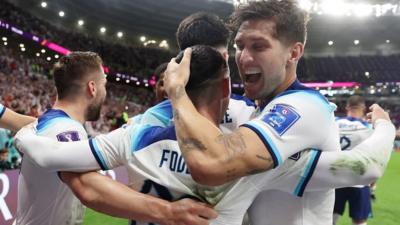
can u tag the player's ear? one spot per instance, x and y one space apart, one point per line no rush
296 52
91 87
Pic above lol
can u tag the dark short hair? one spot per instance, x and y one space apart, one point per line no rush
290 20
355 101
206 65
202 29
160 70
70 71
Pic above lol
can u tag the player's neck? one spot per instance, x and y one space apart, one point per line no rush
281 88
73 109
210 112
355 114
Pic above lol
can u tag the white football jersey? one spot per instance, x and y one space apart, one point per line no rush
299 118
352 132
43 199
240 110
154 162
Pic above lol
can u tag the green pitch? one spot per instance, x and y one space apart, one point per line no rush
385 208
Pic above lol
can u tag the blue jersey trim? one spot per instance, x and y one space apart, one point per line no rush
2 110
162 111
244 99
296 87
151 134
269 144
305 178
97 154
52 116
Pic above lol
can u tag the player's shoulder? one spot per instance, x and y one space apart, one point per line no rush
304 98
55 121
160 114
144 135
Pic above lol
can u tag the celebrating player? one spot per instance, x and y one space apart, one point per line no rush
152 151
353 130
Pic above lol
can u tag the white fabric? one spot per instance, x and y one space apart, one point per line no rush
43 199
314 126
352 132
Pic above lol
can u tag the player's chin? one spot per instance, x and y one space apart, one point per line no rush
252 91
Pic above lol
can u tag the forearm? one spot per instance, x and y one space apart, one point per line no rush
203 145
362 165
107 196
14 121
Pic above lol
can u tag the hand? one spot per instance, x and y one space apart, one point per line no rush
29 129
190 212
377 113
177 75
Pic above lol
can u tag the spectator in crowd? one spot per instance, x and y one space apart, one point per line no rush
4 163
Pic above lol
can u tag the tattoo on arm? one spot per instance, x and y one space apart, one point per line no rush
234 144
192 144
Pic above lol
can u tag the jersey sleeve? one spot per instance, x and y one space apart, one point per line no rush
292 123
292 176
113 149
55 156
2 110
362 165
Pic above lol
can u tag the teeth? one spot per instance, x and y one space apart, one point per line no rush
253 71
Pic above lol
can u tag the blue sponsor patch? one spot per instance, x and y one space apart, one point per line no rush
68 136
281 118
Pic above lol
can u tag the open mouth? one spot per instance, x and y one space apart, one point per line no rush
252 77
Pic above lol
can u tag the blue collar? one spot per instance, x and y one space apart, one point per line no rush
294 87
49 115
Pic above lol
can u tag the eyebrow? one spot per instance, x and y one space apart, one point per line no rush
254 39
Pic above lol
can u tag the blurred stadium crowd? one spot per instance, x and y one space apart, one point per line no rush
26 84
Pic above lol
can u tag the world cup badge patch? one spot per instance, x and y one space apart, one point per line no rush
281 117
68 136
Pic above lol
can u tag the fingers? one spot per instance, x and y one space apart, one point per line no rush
208 213
369 117
192 212
190 219
205 211
186 57
374 106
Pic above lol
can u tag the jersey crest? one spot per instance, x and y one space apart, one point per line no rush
281 117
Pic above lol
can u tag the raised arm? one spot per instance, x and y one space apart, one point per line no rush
105 195
12 120
215 158
364 164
